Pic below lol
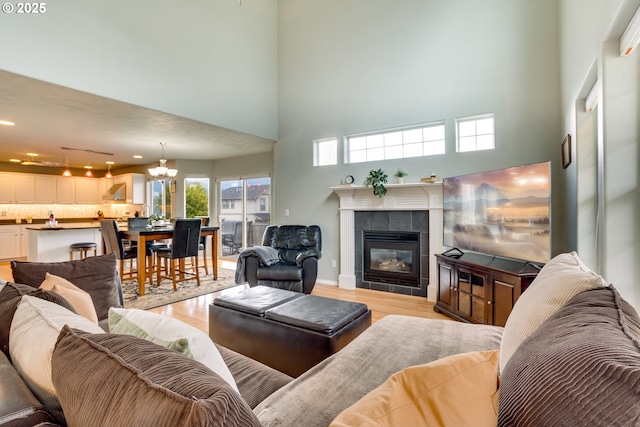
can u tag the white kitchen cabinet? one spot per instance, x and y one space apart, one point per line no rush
66 190
24 241
87 191
25 188
9 241
135 187
7 194
45 188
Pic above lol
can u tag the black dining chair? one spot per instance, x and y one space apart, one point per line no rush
114 243
203 244
142 222
184 244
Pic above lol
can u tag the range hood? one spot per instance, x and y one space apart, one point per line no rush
116 192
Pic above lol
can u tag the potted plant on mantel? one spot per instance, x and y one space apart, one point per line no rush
400 176
377 179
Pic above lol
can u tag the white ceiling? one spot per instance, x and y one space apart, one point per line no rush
48 117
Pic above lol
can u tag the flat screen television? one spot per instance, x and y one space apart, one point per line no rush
504 212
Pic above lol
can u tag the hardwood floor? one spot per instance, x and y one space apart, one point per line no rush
195 311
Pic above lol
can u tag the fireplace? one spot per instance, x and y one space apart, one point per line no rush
392 257
359 206
392 251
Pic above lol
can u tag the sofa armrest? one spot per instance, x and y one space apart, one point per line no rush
18 406
309 253
309 275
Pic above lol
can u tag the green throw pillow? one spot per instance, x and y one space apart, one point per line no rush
119 324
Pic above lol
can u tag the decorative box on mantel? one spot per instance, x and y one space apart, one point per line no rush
399 197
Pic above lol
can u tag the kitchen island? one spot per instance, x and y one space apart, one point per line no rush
52 244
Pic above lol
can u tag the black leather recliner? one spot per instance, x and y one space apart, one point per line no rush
299 249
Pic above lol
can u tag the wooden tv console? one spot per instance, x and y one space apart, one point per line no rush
479 288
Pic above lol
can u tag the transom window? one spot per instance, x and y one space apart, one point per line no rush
475 133
325 152
423 140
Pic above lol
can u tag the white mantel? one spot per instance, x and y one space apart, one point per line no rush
399 197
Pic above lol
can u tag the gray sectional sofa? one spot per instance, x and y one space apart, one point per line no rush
597 316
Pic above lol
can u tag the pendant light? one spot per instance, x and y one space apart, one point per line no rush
162 173
108 174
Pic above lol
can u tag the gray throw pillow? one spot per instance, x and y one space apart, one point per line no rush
95 275
581 367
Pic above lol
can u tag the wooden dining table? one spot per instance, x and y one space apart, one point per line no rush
145 234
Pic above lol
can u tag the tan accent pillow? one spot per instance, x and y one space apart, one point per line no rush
560 279
79 299
122 380
459 390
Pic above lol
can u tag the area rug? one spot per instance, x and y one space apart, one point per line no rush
157 296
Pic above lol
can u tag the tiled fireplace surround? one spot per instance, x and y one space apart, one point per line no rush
417 206
416 221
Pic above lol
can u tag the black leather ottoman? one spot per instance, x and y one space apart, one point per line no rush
289 331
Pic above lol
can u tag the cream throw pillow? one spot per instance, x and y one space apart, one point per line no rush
79 299
562 278
459 390
34 331
170 329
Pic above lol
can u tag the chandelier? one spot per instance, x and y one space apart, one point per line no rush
162 172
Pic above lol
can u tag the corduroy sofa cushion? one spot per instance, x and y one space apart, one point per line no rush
255 380
581 367
121 380
95 275
559 280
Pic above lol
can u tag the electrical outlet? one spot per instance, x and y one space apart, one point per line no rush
4 213
334 264
286 212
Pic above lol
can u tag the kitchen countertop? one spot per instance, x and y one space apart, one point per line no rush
43 227
63 222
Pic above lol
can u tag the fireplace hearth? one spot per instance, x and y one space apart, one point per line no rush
392 257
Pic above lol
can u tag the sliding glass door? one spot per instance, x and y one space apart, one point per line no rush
244 212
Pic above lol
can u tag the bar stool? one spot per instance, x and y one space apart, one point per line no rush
82 248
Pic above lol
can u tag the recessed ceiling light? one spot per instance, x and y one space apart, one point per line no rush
110 163
15 160
137 156
32 154
88 167
7 123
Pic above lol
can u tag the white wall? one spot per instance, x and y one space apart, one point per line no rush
363 65
590 32
212 61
